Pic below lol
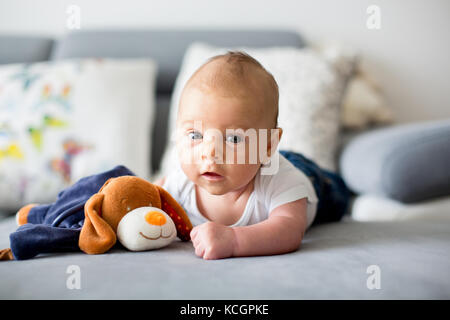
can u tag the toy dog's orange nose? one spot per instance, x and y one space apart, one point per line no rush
155 217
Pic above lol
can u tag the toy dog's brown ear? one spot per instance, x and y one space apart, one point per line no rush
105 184
96 236
176 212
22 214
6 254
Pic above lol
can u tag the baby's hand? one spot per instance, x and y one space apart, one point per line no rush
213 241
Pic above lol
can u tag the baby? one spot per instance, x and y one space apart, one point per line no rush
235 208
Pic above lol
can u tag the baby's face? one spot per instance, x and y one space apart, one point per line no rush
214 159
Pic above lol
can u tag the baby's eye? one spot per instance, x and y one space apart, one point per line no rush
232 138
194 135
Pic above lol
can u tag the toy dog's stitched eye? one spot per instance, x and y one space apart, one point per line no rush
128 208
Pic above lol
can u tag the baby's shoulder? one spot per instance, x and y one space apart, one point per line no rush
286 183
284 178
279 170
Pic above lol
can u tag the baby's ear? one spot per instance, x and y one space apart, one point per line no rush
96 236
275 137
170 206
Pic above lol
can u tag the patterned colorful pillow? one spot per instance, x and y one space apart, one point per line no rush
60 121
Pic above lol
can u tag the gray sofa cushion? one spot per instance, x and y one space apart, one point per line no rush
167 47
21 49
408 163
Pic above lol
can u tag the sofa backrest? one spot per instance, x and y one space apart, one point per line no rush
167 47
23 49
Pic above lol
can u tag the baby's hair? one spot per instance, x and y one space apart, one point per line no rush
238 60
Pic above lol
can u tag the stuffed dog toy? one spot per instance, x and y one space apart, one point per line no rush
129 205
96 211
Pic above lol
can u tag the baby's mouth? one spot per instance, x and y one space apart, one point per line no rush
212 176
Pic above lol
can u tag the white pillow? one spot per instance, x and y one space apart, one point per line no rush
370 207
60 121
311 87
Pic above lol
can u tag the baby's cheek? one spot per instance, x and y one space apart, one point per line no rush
249 152
242 154
242 174
190 170
187 154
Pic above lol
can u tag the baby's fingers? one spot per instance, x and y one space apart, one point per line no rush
210 254
193 233
195 241
199 250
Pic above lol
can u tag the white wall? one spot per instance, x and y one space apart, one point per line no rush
409 55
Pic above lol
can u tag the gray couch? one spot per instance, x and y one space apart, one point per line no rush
413 257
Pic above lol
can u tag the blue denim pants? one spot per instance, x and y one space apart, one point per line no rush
331 190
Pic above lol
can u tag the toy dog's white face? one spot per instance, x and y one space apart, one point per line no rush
146 228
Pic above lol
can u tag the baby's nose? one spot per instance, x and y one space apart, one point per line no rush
155 218
209 151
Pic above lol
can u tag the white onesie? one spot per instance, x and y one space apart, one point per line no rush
270 191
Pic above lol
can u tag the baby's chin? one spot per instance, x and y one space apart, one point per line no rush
216 192
216 189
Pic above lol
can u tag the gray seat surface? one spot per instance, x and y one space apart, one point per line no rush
413 256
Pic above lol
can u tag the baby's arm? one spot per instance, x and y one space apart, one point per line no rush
282 232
